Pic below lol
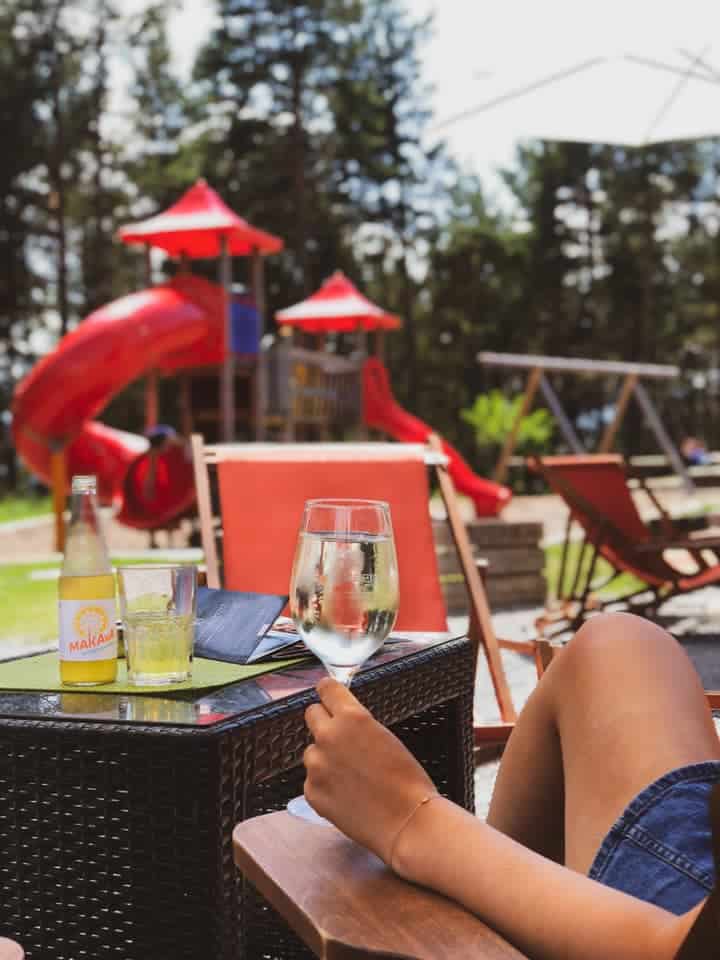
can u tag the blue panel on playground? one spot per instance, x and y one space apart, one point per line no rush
245 326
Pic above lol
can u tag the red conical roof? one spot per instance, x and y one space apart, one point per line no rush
338 305
193 227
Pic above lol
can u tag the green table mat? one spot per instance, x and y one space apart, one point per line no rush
43 673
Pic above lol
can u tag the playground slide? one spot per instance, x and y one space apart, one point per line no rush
382 412
176 325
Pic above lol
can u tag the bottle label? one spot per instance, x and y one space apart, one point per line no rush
87 629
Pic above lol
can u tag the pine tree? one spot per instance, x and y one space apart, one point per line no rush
264 79
158 160
396 182
25 45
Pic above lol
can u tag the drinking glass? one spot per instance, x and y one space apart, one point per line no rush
158 612
344 588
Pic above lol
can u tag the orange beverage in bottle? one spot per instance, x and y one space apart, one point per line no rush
87 606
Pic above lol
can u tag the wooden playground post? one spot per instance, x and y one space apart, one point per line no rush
568 431
58 480
227 370
257 287
608 438
151 400
533 382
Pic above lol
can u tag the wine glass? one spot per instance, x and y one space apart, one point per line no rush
344 589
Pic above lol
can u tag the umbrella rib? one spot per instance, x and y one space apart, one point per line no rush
519 92
674 94
712 73
685 73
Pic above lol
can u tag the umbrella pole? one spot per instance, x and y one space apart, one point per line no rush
257 288
227 373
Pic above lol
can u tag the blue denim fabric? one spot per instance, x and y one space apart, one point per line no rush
660 849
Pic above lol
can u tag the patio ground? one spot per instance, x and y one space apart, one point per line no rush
32 541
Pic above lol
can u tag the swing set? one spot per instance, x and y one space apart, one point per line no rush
631 385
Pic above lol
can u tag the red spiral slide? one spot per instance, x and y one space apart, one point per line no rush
166 328
381 411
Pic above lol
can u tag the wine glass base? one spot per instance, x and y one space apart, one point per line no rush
299 807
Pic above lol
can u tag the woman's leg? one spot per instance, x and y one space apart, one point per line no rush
618 708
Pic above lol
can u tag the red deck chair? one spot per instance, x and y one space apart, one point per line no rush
262 489
595 489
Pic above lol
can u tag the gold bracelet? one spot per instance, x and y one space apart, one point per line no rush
406 821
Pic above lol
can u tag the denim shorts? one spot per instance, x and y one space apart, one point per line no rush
660 849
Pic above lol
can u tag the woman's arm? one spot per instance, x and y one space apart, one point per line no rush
363 779
546 910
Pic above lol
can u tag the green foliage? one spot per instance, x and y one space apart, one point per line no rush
492 416
311 119
622 584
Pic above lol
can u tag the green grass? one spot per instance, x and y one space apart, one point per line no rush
14 507
623 584
28 606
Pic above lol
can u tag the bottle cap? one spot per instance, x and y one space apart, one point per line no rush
84 484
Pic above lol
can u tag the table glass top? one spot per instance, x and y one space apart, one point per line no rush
191 710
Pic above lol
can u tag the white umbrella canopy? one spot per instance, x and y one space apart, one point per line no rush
629 99
628 72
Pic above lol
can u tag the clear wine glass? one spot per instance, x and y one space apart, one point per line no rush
344 589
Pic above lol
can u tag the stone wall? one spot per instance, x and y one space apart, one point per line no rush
515 559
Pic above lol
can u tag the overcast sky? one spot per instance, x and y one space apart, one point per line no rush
480 50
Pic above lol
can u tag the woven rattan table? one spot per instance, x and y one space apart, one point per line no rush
116 812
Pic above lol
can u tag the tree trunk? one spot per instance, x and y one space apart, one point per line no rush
410 332
58 202
98 291
299 182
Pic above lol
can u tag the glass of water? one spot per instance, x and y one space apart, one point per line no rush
344 589
158 613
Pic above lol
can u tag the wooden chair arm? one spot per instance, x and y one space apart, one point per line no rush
688 543
345 904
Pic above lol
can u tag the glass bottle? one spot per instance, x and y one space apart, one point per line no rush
87 606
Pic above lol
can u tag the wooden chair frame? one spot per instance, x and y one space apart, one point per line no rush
344 904
480 631
581 599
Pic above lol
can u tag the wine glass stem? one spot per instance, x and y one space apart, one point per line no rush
343 675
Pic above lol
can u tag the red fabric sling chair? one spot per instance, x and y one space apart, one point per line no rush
262 489
599 499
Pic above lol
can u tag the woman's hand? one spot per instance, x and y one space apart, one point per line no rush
358 774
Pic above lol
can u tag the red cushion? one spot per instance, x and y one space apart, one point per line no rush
262 504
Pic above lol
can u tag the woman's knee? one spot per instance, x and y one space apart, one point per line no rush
618 635
612 644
